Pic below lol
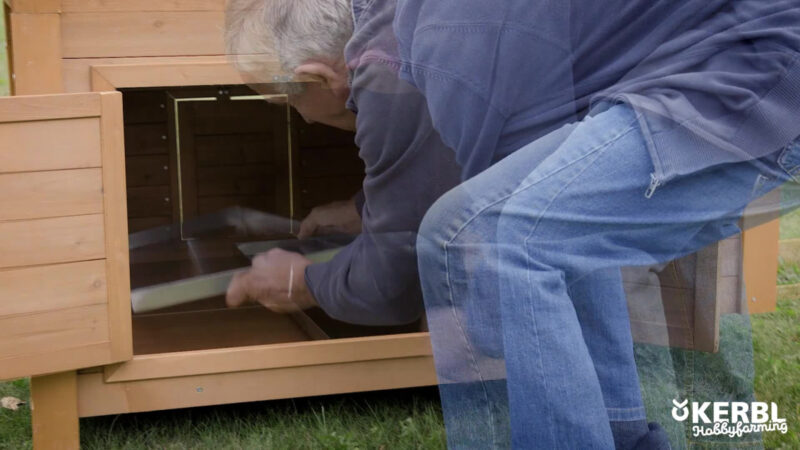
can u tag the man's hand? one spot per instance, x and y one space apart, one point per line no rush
276 280
336 217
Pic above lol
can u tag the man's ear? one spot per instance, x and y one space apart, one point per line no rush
332 77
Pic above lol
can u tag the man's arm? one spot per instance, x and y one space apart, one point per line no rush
374 280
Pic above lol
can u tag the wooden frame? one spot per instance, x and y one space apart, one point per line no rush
74 218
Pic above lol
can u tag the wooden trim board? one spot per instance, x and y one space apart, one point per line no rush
97 398
311 353
116 226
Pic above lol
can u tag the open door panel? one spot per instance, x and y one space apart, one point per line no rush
64 283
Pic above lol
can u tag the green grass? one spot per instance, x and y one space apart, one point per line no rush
403 419
788 273
776 344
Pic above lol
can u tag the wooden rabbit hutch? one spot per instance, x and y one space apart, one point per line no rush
127 117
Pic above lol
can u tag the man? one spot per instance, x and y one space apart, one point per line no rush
374 280
593 135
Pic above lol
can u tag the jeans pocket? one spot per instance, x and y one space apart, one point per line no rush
789 160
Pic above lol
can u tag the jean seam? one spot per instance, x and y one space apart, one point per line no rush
474 361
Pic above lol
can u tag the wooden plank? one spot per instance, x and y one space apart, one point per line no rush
115 34
146 139
77 72
37 195
70 6
49 331
35 6
144 223
227 150
145 107
97 398
48 107
273 356
87 355
54 412
49 145
249 179
37 53
48 288
706 300
49 241
116 227
760 247
147 170
149 201
207 205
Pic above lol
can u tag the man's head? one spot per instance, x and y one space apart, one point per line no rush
308 37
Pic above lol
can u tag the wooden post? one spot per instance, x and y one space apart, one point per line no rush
36 56
761 266
54 405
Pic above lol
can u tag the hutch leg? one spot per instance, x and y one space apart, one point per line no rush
54 404
761 266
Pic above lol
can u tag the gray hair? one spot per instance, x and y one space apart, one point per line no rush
297 30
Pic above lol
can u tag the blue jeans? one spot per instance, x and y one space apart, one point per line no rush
520 269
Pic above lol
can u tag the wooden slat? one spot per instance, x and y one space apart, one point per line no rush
37 195
49 288
35 6
97 398
52 361
77 72
226 150
146 139
147 170
53 330
149 201
37 53
116 226
271 356
48 241
48 107
144 223
141 5
145 107
49 145
96 35
235 180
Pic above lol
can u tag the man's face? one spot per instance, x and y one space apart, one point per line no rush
318 104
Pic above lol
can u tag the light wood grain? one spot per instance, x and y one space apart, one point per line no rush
96 398
54 405
37 195
48 241
141 5
116 226
49 145
270 356
36 54
118 34
760 246
47 361
50 288
77 71
50 331
48 107
35 6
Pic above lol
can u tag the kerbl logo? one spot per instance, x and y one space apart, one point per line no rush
729 418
